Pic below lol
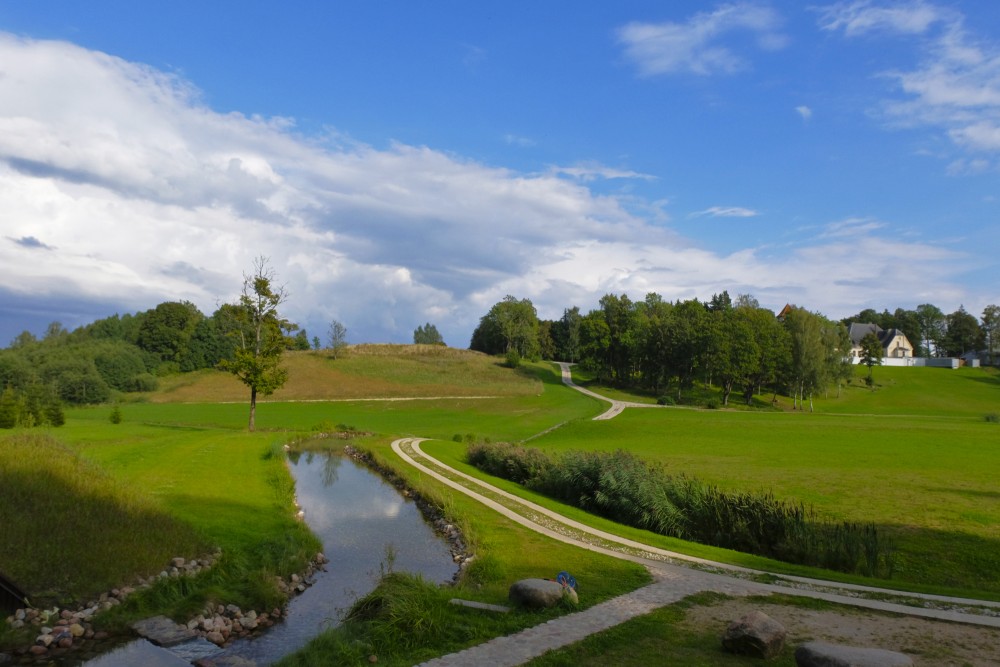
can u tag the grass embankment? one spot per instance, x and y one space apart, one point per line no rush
70 528
117 502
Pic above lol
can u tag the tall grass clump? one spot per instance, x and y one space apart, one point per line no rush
626 489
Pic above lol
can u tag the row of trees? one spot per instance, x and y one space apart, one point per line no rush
664 346
735 344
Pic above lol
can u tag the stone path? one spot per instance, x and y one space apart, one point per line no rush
672 581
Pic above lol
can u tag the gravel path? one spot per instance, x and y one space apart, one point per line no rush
671 580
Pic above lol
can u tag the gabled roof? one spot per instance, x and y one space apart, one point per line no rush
858 330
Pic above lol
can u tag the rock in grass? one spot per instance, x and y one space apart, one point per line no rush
822 654
756 635
540 593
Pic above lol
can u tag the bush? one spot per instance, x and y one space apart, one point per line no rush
144 382
993 418
712 404
626 489
513 358
666 400
116 415
503 459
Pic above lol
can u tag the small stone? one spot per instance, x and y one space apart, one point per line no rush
373 659
216 638
65 642
77 630
177 562
38 649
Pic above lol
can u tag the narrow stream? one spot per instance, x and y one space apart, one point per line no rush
366 526
360 518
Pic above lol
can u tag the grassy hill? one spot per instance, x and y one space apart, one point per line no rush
363 371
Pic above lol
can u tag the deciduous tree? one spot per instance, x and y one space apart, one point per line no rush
338 338
991 330
257 329
871 353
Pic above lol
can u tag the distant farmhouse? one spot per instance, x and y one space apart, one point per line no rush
895 344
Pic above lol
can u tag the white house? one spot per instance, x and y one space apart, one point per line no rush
895 344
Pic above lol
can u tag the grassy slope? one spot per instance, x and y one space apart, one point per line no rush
362 371
70 528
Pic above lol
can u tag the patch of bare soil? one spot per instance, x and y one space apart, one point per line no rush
927 642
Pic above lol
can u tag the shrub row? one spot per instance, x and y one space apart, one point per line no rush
626 489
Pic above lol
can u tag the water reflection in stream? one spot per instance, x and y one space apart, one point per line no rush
358 516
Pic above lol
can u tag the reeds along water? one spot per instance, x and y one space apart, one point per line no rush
626 489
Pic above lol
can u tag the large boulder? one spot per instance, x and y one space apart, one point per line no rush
540 593
756 635
822 654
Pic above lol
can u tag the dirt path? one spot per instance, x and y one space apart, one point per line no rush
673 581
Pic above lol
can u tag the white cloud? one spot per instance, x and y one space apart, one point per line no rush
851 227
727 212
862 16
956 84
804 111
589 172
518 140
120 190
696 45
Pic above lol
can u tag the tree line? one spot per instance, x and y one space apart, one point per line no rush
665 347
118 354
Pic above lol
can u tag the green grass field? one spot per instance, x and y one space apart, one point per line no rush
916 456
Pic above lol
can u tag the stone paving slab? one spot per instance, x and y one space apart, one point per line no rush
485 606
163 631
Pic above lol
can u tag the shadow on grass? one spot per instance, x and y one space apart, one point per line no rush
63 542
968 493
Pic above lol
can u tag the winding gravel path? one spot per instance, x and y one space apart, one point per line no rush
675 575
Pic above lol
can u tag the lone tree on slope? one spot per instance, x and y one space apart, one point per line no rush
257 329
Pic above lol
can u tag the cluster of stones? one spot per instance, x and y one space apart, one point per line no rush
64 629
58 629
760 636
223 624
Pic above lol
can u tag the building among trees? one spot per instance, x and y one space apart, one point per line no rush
895 344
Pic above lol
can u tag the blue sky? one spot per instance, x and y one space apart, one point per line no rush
402 162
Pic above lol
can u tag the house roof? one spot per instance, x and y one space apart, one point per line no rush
858 330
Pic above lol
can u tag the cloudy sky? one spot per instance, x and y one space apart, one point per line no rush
402 163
